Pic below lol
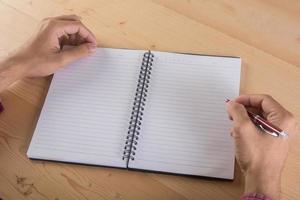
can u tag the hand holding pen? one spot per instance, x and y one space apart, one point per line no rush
265 125
261 156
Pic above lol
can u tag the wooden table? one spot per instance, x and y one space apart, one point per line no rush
265 34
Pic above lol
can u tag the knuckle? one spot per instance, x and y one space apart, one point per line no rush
44 22
233 133
78 23
52 22
48 23
242 126
46 19
267 96
235 106
74 16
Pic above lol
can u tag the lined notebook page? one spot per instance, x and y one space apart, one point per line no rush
86 113
185 128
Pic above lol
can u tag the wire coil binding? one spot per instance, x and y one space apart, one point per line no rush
138 107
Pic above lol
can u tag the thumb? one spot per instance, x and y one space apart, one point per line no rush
71 54
237 112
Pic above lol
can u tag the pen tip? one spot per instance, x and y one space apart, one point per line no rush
227 100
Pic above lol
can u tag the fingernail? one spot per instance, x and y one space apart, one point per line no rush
92 47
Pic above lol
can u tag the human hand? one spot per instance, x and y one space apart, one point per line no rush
42 55
261 156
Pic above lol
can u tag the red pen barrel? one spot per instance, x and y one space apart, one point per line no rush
258 120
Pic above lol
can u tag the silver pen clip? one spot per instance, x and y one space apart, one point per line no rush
281 134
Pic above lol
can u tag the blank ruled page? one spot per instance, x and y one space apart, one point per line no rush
87 109
185 128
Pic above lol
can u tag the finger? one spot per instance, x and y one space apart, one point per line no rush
77 39
242 125
260 101
71 39
237 112
72 27
63 40
74 53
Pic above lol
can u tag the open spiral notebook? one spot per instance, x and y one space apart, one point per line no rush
137 109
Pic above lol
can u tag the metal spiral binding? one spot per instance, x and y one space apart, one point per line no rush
138 107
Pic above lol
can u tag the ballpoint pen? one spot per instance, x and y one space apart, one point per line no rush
265 125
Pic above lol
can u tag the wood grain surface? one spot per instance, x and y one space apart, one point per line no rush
265 34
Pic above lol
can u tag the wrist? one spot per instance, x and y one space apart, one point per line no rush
265 182
11 70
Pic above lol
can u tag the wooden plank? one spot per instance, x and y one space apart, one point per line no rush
269 26
270 65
